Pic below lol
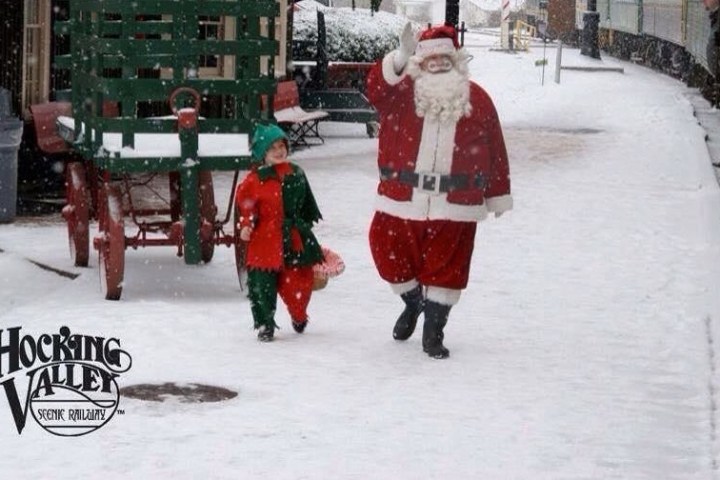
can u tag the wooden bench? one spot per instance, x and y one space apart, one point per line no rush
300 124
45 115
344 105
341 94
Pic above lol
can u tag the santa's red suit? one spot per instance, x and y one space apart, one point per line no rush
438 178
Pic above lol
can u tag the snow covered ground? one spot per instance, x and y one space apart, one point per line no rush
584 347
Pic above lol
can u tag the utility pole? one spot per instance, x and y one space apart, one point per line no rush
452 12
591 24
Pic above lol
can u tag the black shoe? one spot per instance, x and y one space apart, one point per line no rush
436 317
299 327
405 324
437 351
266 334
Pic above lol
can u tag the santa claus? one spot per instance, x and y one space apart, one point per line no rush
443 167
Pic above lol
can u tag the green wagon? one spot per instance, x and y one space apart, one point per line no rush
141 110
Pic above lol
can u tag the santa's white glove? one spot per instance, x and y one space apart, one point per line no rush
245 234
406 50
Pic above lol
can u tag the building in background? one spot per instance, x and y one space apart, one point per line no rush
561 20
26 50
28 46
560 17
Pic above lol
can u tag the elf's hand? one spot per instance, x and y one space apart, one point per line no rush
406 50
245 233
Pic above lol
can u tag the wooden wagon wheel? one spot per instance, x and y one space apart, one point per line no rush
240 252
77 213
111 243
208 210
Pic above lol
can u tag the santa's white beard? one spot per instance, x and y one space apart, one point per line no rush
444 96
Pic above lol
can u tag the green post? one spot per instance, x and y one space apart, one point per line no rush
189 173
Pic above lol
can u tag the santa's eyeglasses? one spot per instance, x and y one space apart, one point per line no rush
437 64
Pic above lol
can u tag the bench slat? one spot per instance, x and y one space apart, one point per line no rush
299 123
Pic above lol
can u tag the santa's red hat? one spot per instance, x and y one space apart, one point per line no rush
437 40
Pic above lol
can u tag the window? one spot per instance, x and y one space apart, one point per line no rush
36 54
210 28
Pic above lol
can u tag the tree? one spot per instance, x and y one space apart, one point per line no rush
352 36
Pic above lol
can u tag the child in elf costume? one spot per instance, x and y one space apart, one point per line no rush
276 213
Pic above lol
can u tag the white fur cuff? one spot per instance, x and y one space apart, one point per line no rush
388 69
444 296
400 288
499 204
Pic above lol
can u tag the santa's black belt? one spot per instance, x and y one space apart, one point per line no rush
434 182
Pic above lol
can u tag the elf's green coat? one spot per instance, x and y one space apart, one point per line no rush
276 201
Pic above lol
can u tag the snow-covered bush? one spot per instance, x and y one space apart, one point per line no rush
352 35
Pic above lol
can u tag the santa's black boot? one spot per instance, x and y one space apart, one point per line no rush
436 317
405 324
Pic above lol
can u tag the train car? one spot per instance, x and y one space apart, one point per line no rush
697 32
620 26
622 16
668 35
664 19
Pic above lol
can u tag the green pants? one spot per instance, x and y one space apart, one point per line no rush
294 285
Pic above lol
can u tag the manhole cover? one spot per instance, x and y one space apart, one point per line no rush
189 393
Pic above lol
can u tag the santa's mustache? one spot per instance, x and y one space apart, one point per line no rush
443 96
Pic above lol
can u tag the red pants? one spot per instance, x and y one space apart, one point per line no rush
293 285
435 252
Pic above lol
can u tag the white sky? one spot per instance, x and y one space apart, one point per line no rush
580 349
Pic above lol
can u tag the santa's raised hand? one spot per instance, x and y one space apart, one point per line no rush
406 50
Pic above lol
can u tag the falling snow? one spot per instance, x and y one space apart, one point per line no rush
583 347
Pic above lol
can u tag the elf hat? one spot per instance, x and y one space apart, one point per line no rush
437 40
264 137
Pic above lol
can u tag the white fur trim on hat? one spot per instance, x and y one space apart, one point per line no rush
435 46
